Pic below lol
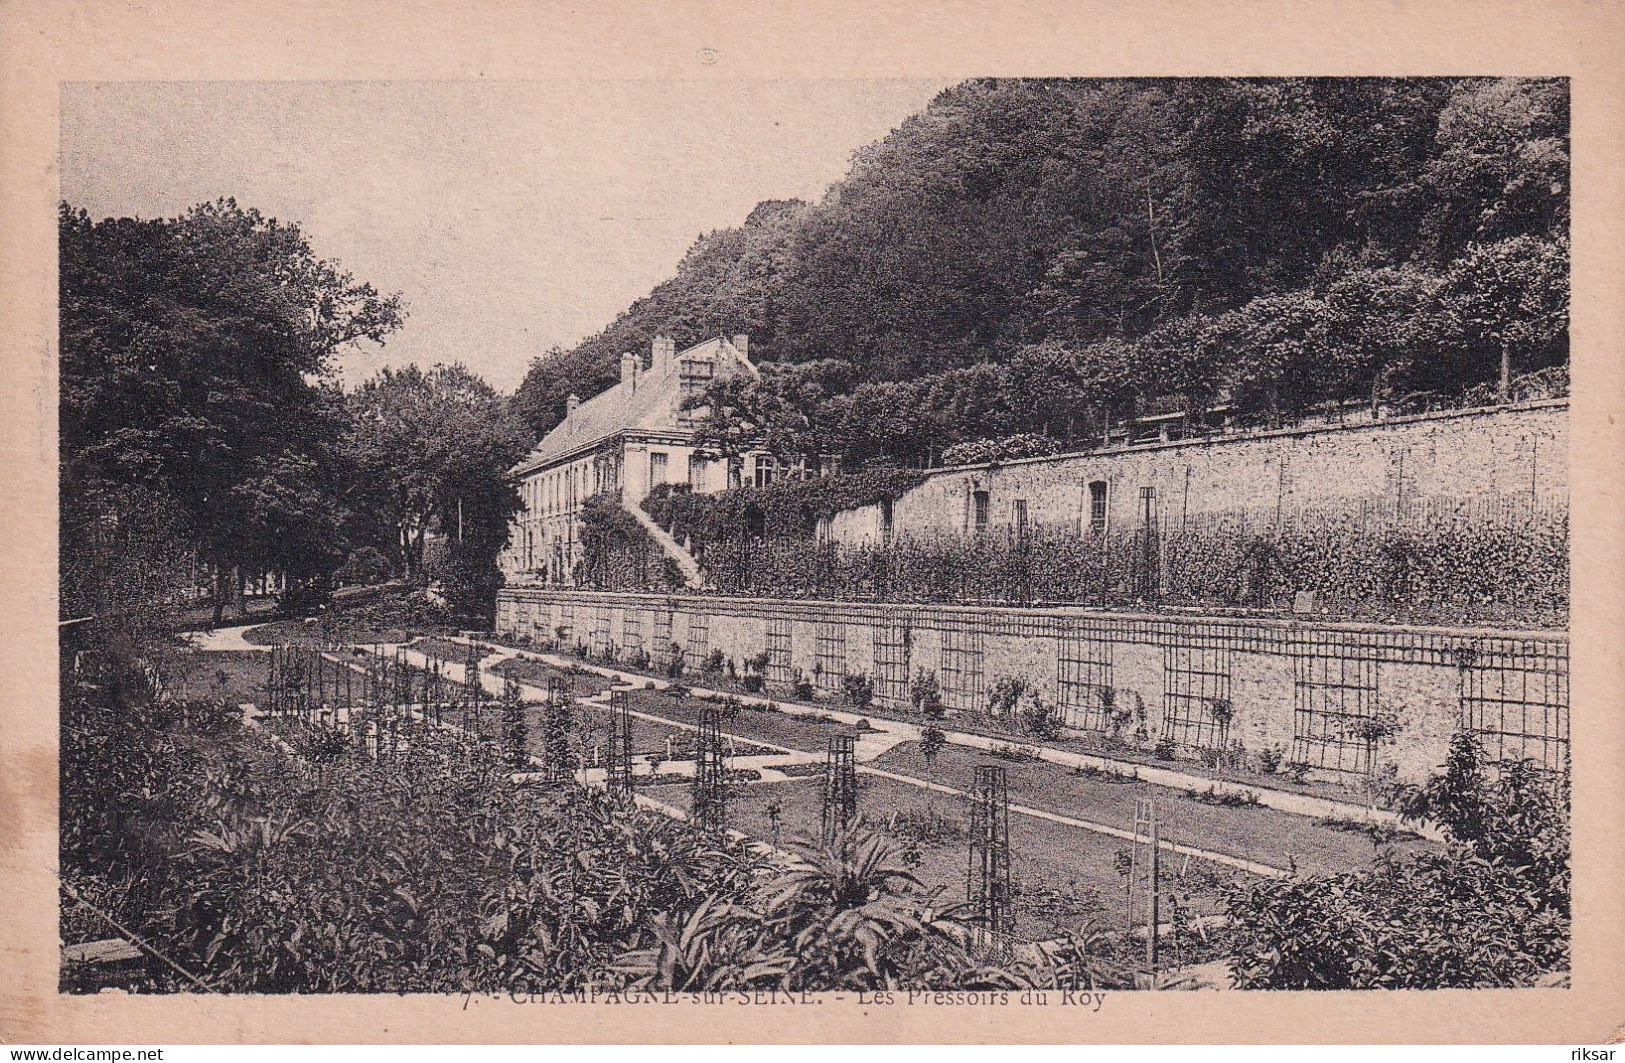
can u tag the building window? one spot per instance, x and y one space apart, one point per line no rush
1097 506
696 473
767 470
1018 517
886 526
979 510
657 469
822 529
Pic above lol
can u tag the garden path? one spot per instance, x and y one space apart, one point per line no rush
890 733
895 731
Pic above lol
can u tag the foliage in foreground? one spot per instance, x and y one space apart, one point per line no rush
257 872
1492 910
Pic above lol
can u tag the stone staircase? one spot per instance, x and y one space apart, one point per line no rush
690 568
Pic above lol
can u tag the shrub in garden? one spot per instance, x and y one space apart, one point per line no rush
1269 759
926 696
1492 910
1039 718
859 689
674 661
714 663
802 686
429 874
365 566
1166 748
1003 698
1007 448
753 682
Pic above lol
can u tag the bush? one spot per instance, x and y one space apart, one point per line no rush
1166 748
802 687
926 696
789 509
364 567
859 689
1008 448
1003 698
1039 719
1490 911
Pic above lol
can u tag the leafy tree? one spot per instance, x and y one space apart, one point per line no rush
194 355
432 451
1500 167
1508 301
1051 256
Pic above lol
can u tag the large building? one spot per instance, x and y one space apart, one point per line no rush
625 442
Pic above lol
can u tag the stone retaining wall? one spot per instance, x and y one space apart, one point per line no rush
1344 699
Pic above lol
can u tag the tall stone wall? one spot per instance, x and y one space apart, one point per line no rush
1506 453
1344 699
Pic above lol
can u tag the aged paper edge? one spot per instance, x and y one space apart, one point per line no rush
45 44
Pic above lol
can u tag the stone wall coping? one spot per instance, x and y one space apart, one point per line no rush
1247 437
889 609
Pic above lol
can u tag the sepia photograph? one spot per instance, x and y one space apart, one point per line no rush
1112 535
884 543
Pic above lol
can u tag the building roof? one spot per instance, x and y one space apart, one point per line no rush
649 406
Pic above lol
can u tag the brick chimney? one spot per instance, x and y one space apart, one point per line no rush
629 372
741 344
570 406
663 353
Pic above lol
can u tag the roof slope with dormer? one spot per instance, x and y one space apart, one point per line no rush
649 404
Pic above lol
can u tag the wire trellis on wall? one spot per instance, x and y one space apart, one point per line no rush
1084 676
1335 720
1518 705
1196 696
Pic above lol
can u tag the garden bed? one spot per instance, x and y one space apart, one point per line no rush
1064 878
1249 832
805 734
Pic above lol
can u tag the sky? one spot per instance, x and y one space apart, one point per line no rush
512 216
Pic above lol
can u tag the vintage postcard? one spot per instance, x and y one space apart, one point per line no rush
693 522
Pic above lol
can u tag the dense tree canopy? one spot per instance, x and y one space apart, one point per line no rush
1047 256
200 411
431 450
195 362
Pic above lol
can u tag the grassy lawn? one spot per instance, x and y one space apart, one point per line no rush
237 675
781 729
359 616
1252 832
987 726
536 673
1064 878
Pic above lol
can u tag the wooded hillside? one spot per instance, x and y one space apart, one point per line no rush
1045 256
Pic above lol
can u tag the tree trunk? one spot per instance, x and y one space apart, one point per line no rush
238 608
219 596
1503 391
